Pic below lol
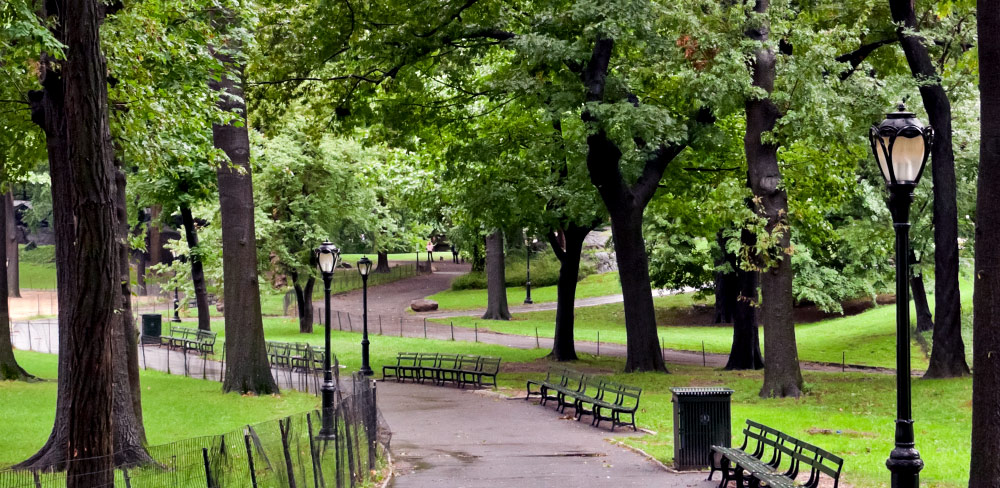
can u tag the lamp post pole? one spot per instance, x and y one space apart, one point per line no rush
904 461
327 255
364 266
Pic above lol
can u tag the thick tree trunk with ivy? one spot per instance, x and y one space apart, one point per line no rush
496 280
197 269
782 375
948 352
9 369
925 321
248 370
985 470
304 301
568 247
10 243
745 352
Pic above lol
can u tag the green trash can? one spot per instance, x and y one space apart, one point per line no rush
152 326
701 420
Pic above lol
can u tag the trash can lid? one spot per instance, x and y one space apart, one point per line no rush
700 391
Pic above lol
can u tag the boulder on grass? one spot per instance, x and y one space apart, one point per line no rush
423 305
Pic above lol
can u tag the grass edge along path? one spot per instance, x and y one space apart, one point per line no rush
595 285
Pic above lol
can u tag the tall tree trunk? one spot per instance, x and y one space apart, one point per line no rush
925 321
782 376
10 243
567 246
727 285
948 352
496 281
48 112
985 470
197 269
304 302
383 263
94 255
745 352
248 371
129 431
642 343
9 369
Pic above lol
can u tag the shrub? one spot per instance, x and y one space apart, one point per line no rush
544 272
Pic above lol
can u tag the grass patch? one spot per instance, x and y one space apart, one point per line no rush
595 285
544 272
174 408
37 267
352 259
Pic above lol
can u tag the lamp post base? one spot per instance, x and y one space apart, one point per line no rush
904 461
366 371
328 430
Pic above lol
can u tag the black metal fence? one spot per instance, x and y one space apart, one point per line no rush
282 453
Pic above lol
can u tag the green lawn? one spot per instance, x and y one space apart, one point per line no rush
352 259
848 414
867 338
173 407
595 285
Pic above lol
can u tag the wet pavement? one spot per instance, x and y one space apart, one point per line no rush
447 437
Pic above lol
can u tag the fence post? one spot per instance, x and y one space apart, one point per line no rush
349 324
253 472
598 343
340 323
476 325
208 471
452 330
401 327
317 467
128 480
704 361
143 346
380 324
537 345
425 328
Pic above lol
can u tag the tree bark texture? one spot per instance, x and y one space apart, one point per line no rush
984 469
496 279
727 285
93 312
9 369
304 302
197 269
782 376
246 353
925 321
745 352
129 431
10 242
382 266
568 247
948 352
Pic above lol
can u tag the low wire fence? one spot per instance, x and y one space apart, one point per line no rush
281 453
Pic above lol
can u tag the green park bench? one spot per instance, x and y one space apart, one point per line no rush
190 339
599 398
462 370
295 356
776 459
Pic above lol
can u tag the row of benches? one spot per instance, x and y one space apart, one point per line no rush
461 369
188 339
296 355
776 460
600 398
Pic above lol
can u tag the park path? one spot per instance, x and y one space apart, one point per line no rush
444 436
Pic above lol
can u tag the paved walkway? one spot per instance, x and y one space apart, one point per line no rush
443 436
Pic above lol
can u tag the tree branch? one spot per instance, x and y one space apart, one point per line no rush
858 56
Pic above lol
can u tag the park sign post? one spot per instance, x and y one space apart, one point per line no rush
327 256
901 144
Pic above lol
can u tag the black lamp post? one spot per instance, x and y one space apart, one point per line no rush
527 281
901 145
364 267
327 256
